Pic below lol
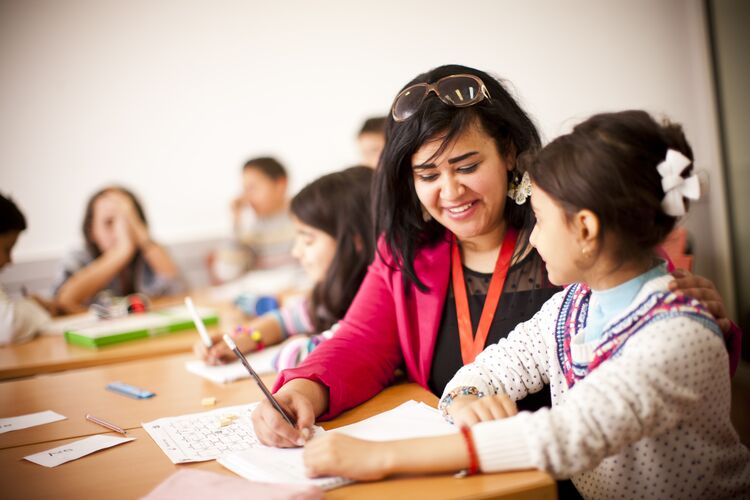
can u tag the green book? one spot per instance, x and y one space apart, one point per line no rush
137 326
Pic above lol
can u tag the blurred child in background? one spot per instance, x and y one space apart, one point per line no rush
334 245
120 256
371 140
263 229
20 319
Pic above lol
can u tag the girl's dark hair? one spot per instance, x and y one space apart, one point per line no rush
608 165
339 205
88 217
398 214
270 167
11 218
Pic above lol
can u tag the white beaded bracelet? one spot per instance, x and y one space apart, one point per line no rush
447 400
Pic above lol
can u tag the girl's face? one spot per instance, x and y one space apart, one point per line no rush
465 187
106 210
314 249
555 239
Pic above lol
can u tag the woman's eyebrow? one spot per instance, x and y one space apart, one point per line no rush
453 160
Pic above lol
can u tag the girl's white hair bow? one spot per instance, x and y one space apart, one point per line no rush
675 187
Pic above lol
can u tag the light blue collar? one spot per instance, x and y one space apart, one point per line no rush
605 305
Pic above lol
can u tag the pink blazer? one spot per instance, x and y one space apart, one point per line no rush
384 329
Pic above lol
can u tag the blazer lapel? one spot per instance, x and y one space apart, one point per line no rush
433 268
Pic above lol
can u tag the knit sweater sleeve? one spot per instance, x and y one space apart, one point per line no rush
517 364
663 375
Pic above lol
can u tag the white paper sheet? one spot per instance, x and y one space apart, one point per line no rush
261 362
409 420
198 437
75 450
273 465
29 420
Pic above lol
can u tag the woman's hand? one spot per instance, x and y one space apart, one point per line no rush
484 409
335 454
703 290
273 430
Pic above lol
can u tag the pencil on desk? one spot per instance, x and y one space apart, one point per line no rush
106 424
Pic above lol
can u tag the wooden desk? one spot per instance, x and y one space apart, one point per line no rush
133 469
78 392
53 354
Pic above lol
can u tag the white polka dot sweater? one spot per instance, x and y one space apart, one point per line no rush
651 421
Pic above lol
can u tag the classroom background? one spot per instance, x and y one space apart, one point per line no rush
170 98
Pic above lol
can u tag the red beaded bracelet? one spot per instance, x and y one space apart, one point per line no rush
473 457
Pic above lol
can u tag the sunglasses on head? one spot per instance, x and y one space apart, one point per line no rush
455 90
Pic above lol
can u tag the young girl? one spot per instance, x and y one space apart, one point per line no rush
334 245
638 377
120 256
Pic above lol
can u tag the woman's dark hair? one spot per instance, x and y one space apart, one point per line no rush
398 214
339 205
11 218
608 165
268 166
88 217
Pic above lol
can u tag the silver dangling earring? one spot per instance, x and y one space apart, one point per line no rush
519 188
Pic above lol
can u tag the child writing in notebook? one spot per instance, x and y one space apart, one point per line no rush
120 256
640 391
334 245
20 319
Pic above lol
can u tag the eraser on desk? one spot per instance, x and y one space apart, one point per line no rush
130 390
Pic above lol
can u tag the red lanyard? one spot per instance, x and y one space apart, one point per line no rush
472 345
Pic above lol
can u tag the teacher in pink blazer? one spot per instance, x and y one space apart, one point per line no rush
454 270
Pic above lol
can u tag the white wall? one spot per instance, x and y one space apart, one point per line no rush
170 97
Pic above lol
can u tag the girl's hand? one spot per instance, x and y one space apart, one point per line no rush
127 209
703 290
123 234
485 409
273 430
220 353
335 454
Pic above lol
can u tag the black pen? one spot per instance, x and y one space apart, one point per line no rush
258 381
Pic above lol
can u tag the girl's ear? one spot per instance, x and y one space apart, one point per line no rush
588 229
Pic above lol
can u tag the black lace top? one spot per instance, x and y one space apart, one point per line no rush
526 289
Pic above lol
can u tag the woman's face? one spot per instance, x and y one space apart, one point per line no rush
554 238
314 249
465 187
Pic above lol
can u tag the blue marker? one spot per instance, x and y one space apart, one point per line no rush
130 390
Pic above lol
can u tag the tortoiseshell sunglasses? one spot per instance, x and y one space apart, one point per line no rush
455 90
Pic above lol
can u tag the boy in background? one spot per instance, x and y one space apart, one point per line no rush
263 229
